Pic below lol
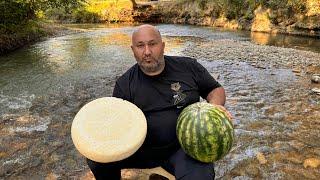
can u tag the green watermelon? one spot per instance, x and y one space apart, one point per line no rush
204 132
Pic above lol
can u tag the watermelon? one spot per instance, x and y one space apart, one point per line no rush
204 132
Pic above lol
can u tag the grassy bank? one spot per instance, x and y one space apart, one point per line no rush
15 36
18 36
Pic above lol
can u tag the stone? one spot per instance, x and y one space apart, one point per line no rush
261 158
3 154
215 76
316 90
296 70
311 162
315 78
52 176
252 170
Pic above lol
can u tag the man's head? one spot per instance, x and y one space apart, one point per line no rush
148 49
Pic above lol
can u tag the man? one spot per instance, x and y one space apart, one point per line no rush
161 86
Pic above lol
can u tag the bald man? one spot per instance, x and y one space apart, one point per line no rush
161 86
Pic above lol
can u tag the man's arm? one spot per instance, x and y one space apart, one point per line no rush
217 96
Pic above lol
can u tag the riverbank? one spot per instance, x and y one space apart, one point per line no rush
17 36
22 35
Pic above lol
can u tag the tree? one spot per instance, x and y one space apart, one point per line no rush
134 4
17 10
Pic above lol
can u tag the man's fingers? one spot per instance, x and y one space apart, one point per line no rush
225 111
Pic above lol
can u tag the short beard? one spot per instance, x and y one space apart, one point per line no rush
152 67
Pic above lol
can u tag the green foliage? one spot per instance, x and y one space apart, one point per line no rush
13 12
235 9
80 15
13 36
84 16
20 11
17 14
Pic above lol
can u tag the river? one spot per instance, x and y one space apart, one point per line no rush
277 118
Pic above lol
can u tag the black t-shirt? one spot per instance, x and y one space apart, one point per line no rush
162 97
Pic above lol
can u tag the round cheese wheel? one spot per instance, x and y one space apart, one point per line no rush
108 129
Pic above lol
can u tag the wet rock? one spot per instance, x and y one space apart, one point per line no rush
3 155
261 67
261 158
316 90
19 146
297 71
252 170
52 176
280 145
317 151
311 162
71 163
295 160
55 157
260 103
216 76
296 144
315 78
243 92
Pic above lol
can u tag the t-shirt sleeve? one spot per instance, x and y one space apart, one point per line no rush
206 83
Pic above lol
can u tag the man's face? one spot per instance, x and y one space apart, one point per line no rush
148 49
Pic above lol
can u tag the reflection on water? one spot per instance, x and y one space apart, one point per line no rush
117 38
281 40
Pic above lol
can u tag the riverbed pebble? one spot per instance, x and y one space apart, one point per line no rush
315 78
316 90
261 56
311 162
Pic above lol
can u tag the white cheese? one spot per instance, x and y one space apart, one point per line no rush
108 129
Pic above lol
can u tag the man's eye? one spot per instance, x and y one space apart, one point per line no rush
140 45
152 44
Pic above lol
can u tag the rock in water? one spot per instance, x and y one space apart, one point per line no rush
311 162
315 78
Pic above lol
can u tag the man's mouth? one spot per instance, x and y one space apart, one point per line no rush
148 60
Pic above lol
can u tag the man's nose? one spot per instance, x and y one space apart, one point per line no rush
147 50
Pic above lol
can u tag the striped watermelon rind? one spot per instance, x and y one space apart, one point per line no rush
204 132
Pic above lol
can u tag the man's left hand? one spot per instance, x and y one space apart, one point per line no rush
228 114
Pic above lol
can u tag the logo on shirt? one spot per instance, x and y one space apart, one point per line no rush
178 96
176 86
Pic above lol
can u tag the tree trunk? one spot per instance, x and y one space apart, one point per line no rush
134 4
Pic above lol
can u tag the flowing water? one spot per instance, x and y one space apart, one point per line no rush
276 117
